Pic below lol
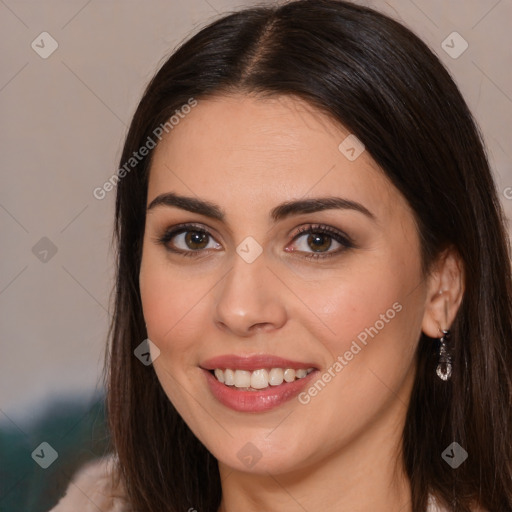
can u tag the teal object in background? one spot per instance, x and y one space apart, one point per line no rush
74 429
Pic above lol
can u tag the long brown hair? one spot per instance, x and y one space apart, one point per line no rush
383 84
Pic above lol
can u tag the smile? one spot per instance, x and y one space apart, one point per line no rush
259 379
255 383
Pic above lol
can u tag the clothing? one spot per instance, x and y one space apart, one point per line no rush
92 489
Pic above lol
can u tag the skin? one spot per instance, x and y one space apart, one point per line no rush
340 451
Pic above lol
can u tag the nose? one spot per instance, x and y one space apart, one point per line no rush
250 299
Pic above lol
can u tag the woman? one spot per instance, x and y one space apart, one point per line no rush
313 256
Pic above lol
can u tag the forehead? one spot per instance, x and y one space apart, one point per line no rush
243 150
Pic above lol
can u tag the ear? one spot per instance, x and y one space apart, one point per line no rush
445 290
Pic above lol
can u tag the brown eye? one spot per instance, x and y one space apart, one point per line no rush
196 240
188 240
319 240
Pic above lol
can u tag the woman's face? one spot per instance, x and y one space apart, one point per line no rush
259 298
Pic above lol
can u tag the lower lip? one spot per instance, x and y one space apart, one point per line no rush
256 401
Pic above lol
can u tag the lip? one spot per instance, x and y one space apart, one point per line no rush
253 362
256 401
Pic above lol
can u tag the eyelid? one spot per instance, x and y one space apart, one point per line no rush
171 232
344 240
339 236
323 228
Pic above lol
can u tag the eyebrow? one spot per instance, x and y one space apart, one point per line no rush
282 211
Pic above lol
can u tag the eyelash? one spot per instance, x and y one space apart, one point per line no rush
339 236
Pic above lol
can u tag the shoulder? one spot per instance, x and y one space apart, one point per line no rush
93 488
434 506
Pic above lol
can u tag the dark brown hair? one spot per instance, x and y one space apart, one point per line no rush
377 79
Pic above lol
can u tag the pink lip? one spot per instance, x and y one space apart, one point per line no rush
256 401
251 363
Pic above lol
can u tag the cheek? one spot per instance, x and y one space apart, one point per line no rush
373 314
376 319
368 329
170 299
350 302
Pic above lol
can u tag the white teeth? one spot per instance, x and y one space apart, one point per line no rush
259 379
242 379
229 377
289 375
275 377
220 375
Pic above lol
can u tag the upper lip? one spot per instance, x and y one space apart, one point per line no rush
252 362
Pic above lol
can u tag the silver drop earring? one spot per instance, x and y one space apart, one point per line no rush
444 367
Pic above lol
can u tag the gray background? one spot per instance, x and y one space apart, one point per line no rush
62 126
